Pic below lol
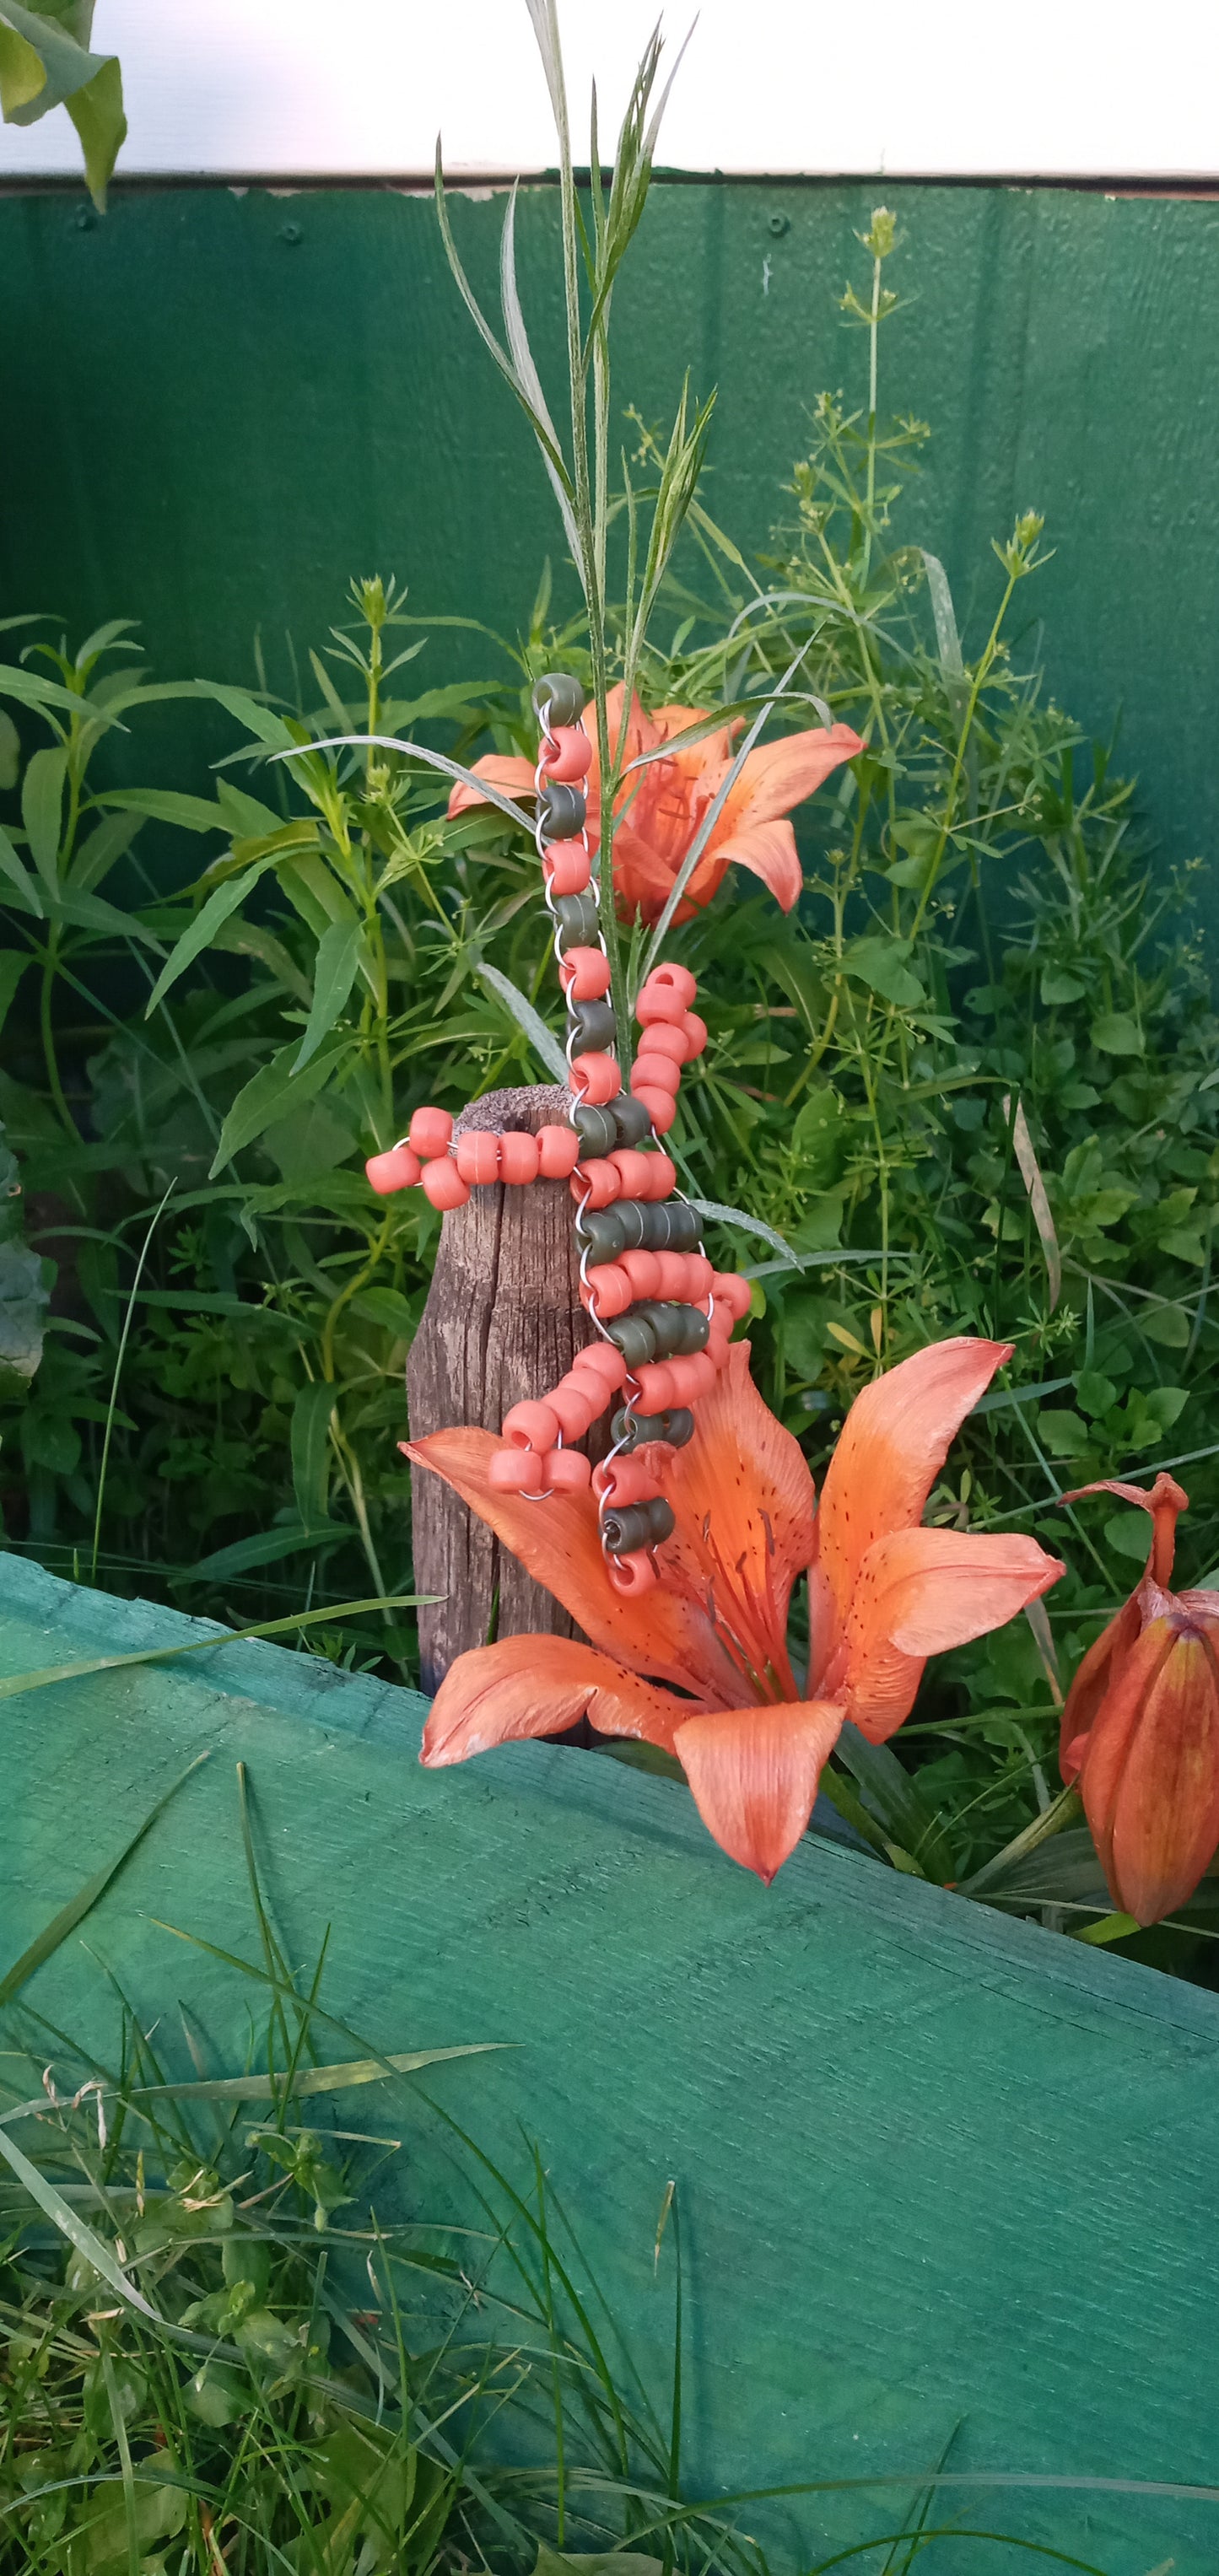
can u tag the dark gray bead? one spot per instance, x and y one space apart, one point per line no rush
598 1230
558 699
561 810
595 1129
594 1027
632 1119
576 916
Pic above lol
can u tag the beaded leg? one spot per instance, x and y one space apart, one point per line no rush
663 1316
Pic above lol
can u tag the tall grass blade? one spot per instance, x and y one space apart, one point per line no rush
78 2232
54 1933
13 1685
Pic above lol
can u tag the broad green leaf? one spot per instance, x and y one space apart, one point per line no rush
1057 986
19 876
42 811
1167 1325
31 690
1126 1533
1063 1434
10 753
89 85
245 815
165 805
314 892
1115 1033
312 1415
880 962
543 1041
215 911
15 1685
338 960
948 641
250 939
274 1090
65 1921
390 1309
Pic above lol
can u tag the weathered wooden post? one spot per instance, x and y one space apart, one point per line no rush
502 1320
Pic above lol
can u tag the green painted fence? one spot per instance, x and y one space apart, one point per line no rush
217 404
939 2172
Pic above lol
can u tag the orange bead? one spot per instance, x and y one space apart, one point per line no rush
644 1272
671 1276
595 1079
634 1170
667 995
558 1152
568 754
566 1471
518 1157
602 1363
531 1426
694 1031
735 1291
478 1156
429 1132
662 1177
699 1277
662 1039
515 1471
654 1380
575 1401
585 974
599 1178
397 1170
607 1291
443 1184
689 1381
701 1374
655 1073
624 1480
660 1106
631 1574
566 868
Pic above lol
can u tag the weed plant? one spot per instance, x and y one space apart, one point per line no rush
971 1084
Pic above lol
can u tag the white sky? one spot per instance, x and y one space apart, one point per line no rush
307 86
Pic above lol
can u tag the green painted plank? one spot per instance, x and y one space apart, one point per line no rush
935 2167
224 403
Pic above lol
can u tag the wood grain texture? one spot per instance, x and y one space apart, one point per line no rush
937 2170
503 1320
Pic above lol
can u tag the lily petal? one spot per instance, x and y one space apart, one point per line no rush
1092 1679
743 1500
1150 1779
505 770
527 1686
557 1542
769 851
753 1774
894 1442
1164 1500
920 1592
778 775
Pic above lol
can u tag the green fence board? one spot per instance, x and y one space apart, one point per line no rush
937 2169
217 404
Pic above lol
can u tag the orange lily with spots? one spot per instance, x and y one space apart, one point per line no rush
699 1664
659 808
1140 1730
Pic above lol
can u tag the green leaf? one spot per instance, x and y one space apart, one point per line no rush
57 1930
1097 1394
75 2229
165 805
1167 1325
92 912
312 1415
10 753
1059 987
1115 1033
31 690
266 1549
13 963
313 2079
18 876
42 811
415 751
543 1041
102 850
390 1309
215 911
274 1090
338 959
747 1224
1126 1533
23 1306
909 1824
1063 1434
257 719
89 85
251 939
880 963
286 1541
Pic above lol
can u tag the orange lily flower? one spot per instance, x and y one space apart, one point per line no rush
884 1594
1140 1730
660 808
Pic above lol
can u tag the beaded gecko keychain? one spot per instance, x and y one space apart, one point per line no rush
663 1316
